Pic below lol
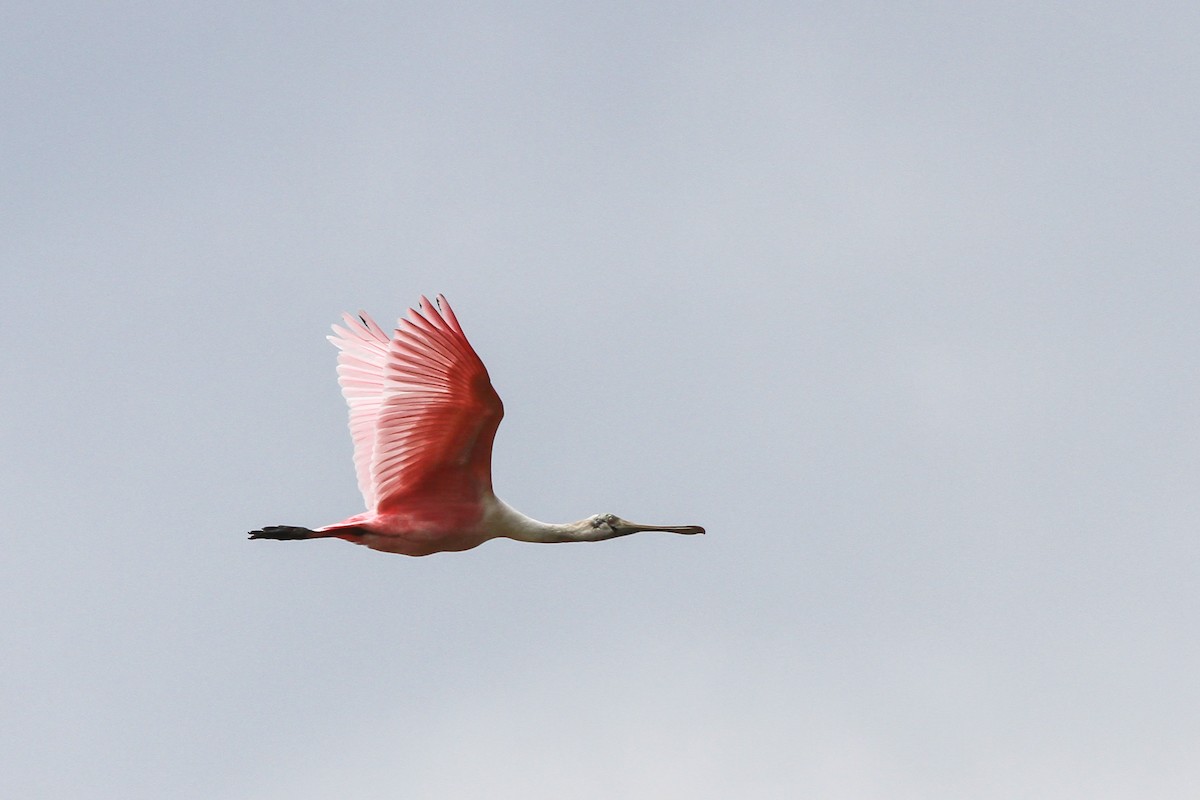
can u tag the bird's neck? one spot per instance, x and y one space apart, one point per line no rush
504 520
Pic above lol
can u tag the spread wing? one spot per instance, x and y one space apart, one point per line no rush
361 364
423 413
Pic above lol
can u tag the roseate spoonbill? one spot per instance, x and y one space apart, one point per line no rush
423 414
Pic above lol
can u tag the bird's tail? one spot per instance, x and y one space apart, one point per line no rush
284 533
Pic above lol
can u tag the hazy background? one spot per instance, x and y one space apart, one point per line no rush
898 300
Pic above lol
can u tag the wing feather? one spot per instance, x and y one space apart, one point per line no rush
437 414
362 359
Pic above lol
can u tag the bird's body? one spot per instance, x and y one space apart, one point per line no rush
423 415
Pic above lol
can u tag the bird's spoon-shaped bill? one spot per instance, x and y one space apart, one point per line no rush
624 527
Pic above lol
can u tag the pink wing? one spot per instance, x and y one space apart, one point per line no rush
423 412
361 364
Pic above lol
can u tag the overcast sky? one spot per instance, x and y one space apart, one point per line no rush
899 300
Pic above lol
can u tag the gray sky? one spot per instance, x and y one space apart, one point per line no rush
898 300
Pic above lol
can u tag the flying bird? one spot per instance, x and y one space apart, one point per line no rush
423 415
